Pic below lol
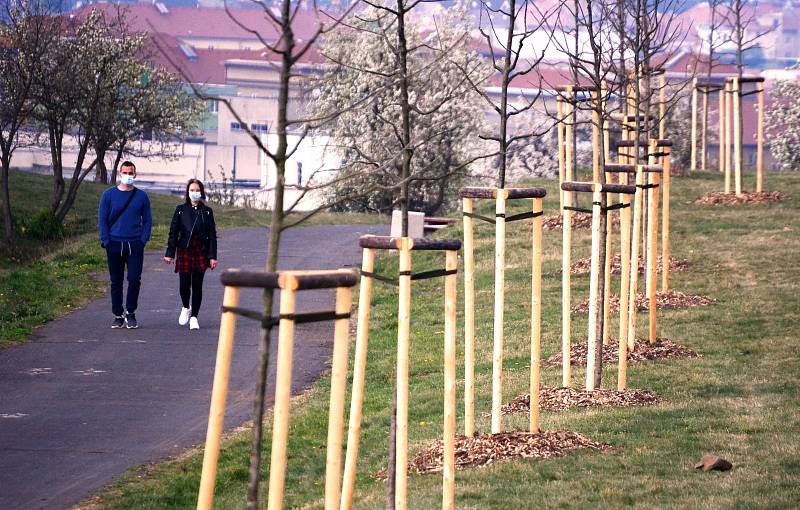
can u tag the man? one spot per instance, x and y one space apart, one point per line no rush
125 221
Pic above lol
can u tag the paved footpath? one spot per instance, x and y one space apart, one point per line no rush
81 403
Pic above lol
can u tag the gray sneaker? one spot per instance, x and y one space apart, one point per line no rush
119 321
130 321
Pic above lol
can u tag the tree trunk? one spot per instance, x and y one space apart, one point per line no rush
276 229
8 220
101 171
56 143
117 160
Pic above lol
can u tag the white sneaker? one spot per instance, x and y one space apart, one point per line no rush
193 323
183 319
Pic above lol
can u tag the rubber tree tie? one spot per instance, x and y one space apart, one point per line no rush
524 216
500 215
266 322
380 277
577 209
616 206
304 318
479 217
658 154
597 203
647 186
425 275
749 93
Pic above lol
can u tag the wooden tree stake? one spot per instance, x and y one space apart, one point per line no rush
469 321
219 394
283 391
560 127
499 309
737 135
333 461
727 155
694 125
403 341
760 140
652 246
566 249
536 316
634 271
593 288
449 462
625 256
666 178
359 375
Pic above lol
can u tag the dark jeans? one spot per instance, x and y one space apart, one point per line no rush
121 254
191 284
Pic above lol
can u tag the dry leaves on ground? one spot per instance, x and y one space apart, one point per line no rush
484 450
583 266
664 301
662 348
560 399
579 221
721 198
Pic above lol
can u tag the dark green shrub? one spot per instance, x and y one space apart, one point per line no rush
45 226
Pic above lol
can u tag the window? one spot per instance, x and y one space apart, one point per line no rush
261 128
235 126
213 106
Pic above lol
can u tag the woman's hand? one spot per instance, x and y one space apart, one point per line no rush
212 263
168 260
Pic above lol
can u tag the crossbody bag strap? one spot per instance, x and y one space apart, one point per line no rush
120 213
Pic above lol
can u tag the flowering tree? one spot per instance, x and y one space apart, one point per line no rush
783 123
26 33
443 113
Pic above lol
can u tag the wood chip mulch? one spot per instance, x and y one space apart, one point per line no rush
579 221
583 266
721 198
664 301
484 450
662 348
560 399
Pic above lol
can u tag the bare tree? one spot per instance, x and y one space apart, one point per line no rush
27 31
744 34
713 41
521 20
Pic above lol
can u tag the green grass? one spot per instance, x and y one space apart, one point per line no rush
739 400
40 281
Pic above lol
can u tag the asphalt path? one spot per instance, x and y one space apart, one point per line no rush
81 403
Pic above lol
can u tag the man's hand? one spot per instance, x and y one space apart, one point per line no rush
213 263
168 260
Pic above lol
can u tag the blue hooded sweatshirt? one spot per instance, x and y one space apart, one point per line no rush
134 224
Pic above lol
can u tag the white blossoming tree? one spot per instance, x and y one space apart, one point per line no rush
443 117
783 124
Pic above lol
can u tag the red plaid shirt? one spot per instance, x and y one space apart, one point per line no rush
192 258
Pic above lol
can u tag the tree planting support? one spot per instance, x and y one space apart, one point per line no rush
289 282
404 246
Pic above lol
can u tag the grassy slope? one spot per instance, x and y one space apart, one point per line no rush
45 280
739 400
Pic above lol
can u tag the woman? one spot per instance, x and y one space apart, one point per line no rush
193 234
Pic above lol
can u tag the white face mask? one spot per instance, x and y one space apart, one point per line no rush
127 179
195 196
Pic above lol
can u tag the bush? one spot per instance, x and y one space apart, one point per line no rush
45 226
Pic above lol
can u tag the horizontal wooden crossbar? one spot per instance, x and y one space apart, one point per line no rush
511 193
590 187
417 244
295 280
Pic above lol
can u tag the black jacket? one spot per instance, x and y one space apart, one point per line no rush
187 221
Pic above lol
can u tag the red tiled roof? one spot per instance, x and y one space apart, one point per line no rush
209 22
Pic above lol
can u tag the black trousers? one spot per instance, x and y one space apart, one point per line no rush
121 254
191 286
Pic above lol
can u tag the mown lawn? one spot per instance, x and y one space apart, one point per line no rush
42 280
740 399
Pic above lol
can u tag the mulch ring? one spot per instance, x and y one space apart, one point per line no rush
721 198
664 301
583 266
579 221
662 348
484 450
560 399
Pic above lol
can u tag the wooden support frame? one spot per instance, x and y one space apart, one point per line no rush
500 196
405 246
728 140
666 163
652 241
634 257
597 191
290 282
